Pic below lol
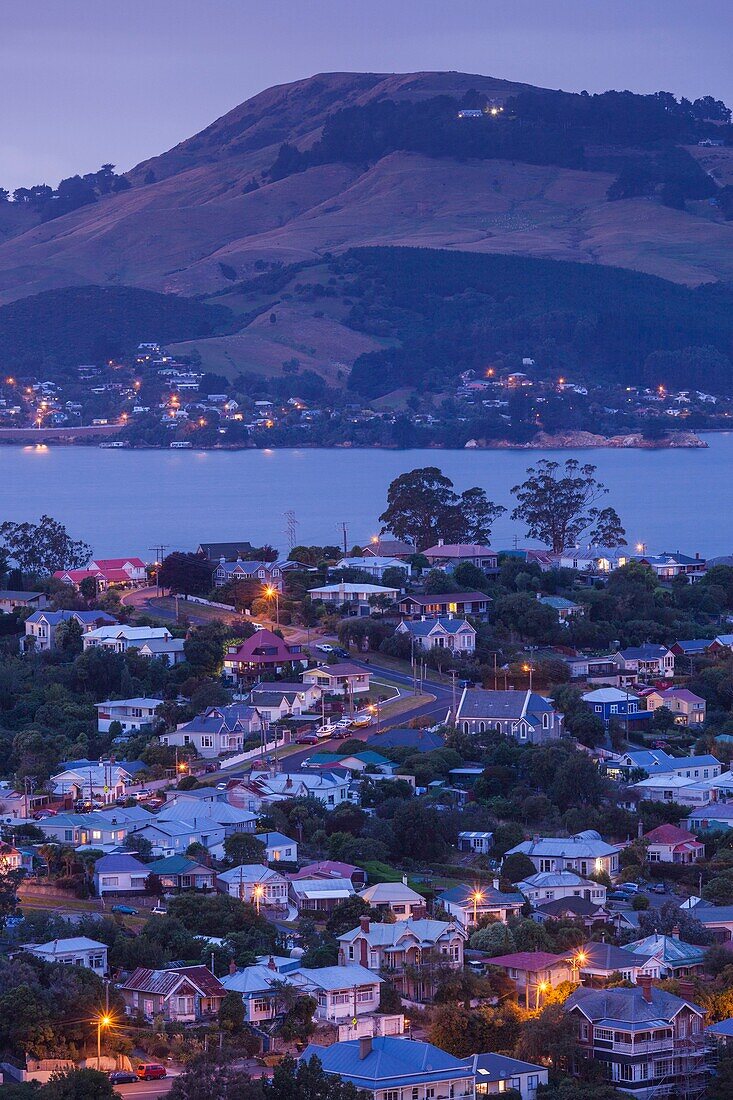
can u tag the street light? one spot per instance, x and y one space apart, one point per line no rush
374 708
528 668
271 591
102 1021
476 897
541 988
257 893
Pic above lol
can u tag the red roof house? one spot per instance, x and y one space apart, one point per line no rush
264 651
670 844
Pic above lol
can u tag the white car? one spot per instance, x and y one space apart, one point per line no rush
324 647
344 723
326 730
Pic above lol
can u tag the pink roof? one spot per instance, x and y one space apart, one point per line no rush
263 648
327 868
118 563
668 834
689 846
684 694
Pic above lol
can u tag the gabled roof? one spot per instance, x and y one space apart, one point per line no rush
500 1067
464 895
587 844
445 597
341 668
391 1062
422 628
178 865
250 872
529 960
385 893
694 645
644 652
669 834
458 550
482 703
65 946
261 648
670 949
628 1006
424 931
113 863
547 879
335 977
604 956
164 982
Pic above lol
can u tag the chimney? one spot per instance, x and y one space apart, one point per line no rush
365 1047
271 963
232 966
640 829
363 953
687 989
645 984
495 884
419 912
676 932
441 542
364 923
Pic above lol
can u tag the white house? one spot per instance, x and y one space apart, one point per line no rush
394 897
279 847
119 638
375 566
341 992
104 782
171 836
132 714
356 597
41 626
467 905
170 650
217 730
557 885
262 789
119 874
74 951
256 885
275 700
647 661
672 788
202 815
584 853
456 635
343 678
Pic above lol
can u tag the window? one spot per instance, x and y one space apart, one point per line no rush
351 951
261 1004
391 1094
545 721
207 741
110 880
603 1033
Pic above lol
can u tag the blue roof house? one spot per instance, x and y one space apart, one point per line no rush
382 1065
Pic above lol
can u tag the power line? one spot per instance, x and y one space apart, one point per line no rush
291 528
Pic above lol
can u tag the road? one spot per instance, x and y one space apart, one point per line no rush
147 1090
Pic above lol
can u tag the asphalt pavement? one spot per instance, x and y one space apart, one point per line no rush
147 1090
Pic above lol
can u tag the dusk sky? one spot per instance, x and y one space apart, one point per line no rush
85 83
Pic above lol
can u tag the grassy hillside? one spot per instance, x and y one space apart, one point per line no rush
455 311
60 329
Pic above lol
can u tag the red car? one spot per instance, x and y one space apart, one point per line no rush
150 1071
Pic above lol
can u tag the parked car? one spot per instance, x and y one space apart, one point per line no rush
123 1077
143 793
628 887
159 910
326 730
618 895
361 720
344 723
324 647
150 1071
221 786
128 910
659 888
340 651
306 739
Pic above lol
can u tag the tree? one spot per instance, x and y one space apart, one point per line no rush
231 1012
188 574
494 939
345 916
559 505
43 548
205 1078
243 848
548 1036
422 508
79 1084
307 1081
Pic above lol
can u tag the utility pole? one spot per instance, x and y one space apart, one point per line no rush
291 528
159 552
344 533
454 708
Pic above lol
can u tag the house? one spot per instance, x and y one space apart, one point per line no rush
721 1033
119 874
667 956
480 843
585 853
581 910
274 700
548 886
256 885
669 844
374 566
389 548
230 551
41 627
658 762
279 848
387 1067
594 560
120 638
523 715
442 604
721 646
343 678
169 650
497 1073
650 1042
200 813
262 652
74 951
180 995
534 973
396 898
649 662
259 988
356 599
714 815
688 709
566 609
667 566
717 919
341 992
217 730
456 634
21 601
357 762
262 789
121 570
178 873
468 904
408 951
171 837
612 704
267 573
684 651
448 555
104 782
319 895
332 868
132 714
671 788
598 962
102 829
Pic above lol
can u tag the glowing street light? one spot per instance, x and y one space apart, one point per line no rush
271 592
258 892
102 1021
541 988
476 897
528 668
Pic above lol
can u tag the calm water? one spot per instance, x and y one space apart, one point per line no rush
123 502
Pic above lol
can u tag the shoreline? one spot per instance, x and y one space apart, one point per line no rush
559 441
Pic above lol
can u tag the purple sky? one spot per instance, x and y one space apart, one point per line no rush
82 83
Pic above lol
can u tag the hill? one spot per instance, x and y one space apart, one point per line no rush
206 213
